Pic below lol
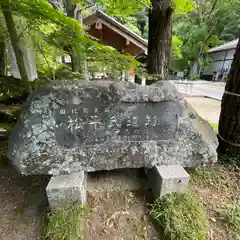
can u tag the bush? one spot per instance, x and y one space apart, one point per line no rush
182 216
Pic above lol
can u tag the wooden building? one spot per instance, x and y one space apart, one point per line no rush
109 31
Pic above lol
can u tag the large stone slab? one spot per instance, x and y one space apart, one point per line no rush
103 125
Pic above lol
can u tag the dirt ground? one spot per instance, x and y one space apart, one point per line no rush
119 216
118 209
22 203
118 206
218 187
209 109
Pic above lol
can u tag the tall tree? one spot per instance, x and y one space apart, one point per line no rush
159 37
15 43
160 33
229 123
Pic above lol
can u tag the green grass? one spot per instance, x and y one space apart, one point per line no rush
233 216
218 178
182 216
207 176
66 224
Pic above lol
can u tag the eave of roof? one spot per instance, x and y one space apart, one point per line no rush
111 20
224 47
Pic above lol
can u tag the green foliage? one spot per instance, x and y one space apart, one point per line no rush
205 26
122 8
183 6
55 34
66 224
227 20
131 23
176 47
182 216
2 30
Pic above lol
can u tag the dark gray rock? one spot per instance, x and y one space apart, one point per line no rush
103 125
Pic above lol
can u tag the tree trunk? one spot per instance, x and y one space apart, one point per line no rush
16 44
159 38
229 123
75 62
2 58
72 13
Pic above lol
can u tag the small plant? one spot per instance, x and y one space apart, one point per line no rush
233 216
66 224
182 216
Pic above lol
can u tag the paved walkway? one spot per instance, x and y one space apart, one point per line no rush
208 89
208 109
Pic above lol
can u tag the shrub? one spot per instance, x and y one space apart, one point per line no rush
182 216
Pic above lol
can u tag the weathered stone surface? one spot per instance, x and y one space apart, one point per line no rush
103 125
66 190
167 179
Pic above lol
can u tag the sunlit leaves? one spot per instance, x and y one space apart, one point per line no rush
183 6
176 47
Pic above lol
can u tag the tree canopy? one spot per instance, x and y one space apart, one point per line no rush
209 24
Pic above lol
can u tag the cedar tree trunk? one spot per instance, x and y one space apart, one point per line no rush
16 44
229 123
2 58
159 38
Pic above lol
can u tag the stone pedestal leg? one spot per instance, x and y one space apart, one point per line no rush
167 179
66 190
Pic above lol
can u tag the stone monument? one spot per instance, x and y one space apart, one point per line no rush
104 125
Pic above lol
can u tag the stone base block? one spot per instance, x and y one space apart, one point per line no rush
167 179
66 190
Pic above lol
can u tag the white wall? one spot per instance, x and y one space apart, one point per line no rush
217 61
